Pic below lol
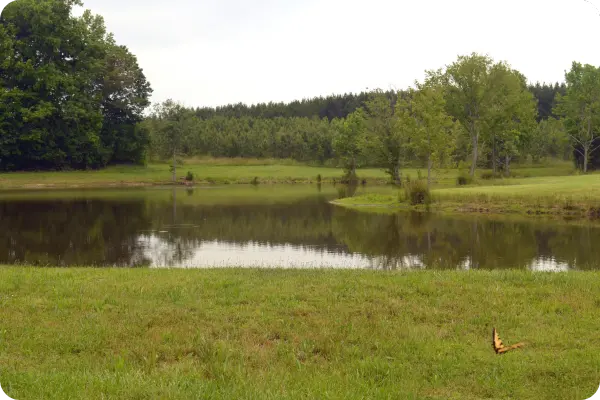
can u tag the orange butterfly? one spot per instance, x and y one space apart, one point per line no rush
499 347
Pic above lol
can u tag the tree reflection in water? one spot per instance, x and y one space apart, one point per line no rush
182 230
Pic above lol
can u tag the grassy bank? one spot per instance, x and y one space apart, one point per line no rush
158 174
226 171
577 196
250 334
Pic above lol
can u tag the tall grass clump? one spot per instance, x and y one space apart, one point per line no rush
417 192
464 179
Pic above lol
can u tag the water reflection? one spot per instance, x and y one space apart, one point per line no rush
220 227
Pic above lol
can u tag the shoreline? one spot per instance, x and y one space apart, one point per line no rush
469 208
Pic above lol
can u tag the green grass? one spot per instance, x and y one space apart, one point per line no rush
281 334
226 171
157 174
565 195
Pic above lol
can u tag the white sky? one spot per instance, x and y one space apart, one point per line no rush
214 52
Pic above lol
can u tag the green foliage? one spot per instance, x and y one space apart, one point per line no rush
580 110
417 192
386 139
72 97
431 132
349 142
189 176
464 178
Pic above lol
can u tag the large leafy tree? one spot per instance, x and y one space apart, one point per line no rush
432 132
510 117
59 85
172 126
385 138
580 109
349 142
466 83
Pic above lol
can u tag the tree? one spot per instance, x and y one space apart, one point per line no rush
349 142
172 123
385 140
548 139
580 109
59 90
467 94
511 115
423 117
125 93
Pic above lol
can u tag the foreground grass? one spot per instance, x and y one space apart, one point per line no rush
226 171
275 334
566 195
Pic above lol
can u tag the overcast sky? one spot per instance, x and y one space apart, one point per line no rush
212 52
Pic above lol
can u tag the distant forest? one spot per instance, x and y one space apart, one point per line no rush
340 106
316 130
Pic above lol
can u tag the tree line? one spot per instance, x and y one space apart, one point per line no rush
70 96
474 112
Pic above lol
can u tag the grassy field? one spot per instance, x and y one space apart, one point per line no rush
566 195
158 174
274 334
226 171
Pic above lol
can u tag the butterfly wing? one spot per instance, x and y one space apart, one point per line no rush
499 347
497 343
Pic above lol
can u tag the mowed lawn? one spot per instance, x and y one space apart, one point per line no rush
292 334
573 195
160 174
579 186
230 171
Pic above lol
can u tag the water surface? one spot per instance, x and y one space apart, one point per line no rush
272 226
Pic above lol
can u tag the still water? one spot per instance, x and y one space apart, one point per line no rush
275 226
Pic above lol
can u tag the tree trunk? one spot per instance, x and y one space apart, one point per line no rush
396 174
494 169
507 165
475 138
586 150
429 164
174 167
174 206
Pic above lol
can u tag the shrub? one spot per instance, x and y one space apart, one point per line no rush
319 178
417 192
464 179
189 176
349 178
255 181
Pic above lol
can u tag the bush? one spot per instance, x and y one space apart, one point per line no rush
417 192
319 178
464 179
189 176
255 181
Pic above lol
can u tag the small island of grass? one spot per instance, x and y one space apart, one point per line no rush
574 196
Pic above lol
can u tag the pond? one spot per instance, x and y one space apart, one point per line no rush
272 226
